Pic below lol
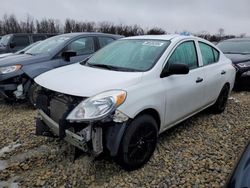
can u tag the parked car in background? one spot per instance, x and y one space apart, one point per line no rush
20 51
14 42
240 176
238 50
126 94
18 71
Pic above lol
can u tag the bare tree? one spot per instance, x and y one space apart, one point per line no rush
221 32
156 31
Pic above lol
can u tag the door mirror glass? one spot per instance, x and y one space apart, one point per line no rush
67 55
176 68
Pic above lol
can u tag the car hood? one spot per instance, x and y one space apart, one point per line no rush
22 59
84 81
238 58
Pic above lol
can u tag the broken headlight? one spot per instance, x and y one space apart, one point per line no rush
97 107
9 69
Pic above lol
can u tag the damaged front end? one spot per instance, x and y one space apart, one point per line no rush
60 115
14 87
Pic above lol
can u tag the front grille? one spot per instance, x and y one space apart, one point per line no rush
59 108
57 105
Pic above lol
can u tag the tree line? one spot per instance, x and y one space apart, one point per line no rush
10 24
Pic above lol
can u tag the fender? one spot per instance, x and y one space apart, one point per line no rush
114 135
34 70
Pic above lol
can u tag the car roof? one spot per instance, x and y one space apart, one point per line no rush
237 39
161 37
75 34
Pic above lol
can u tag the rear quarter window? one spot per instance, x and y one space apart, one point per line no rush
209 54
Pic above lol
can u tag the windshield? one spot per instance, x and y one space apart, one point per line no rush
237 47
130 55
27 48
47 45
5 40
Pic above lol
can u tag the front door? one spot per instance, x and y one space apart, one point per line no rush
184 93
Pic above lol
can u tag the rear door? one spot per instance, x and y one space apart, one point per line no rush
184 93
215 71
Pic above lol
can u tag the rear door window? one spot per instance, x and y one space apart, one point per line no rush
103 41
209 54
82 46
185 53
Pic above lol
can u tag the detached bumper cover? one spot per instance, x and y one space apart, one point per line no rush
74 139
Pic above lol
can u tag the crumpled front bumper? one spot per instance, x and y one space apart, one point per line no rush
5 88
9 83
74 139
80 139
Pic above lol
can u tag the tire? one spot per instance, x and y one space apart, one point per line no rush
221 101
138 143
32 94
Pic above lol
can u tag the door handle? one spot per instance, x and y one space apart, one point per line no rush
223 72
199 80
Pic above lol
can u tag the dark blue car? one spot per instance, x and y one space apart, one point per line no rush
18 71
240 178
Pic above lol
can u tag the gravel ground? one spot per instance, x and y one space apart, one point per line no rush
200 152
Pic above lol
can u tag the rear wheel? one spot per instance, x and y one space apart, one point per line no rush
221 102
138 143
33 93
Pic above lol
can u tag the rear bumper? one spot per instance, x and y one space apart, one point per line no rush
70 137
243 79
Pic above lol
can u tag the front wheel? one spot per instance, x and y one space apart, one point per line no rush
138 143
33 93
221 101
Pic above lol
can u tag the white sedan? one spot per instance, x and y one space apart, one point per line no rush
126 94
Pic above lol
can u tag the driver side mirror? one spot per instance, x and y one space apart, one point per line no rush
175 68
12 44
67 55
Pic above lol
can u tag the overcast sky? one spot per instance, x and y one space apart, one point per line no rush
171 15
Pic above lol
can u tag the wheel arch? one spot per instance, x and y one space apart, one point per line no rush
152 112
227 84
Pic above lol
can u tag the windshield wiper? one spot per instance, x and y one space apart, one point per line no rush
111 67
242 53
28 53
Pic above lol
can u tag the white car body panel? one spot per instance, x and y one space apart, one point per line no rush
175 97
83 80
5 55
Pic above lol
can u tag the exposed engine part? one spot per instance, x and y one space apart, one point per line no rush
120 117
97 140
19 94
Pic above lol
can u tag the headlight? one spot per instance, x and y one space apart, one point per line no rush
9 69
97 107
244 65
